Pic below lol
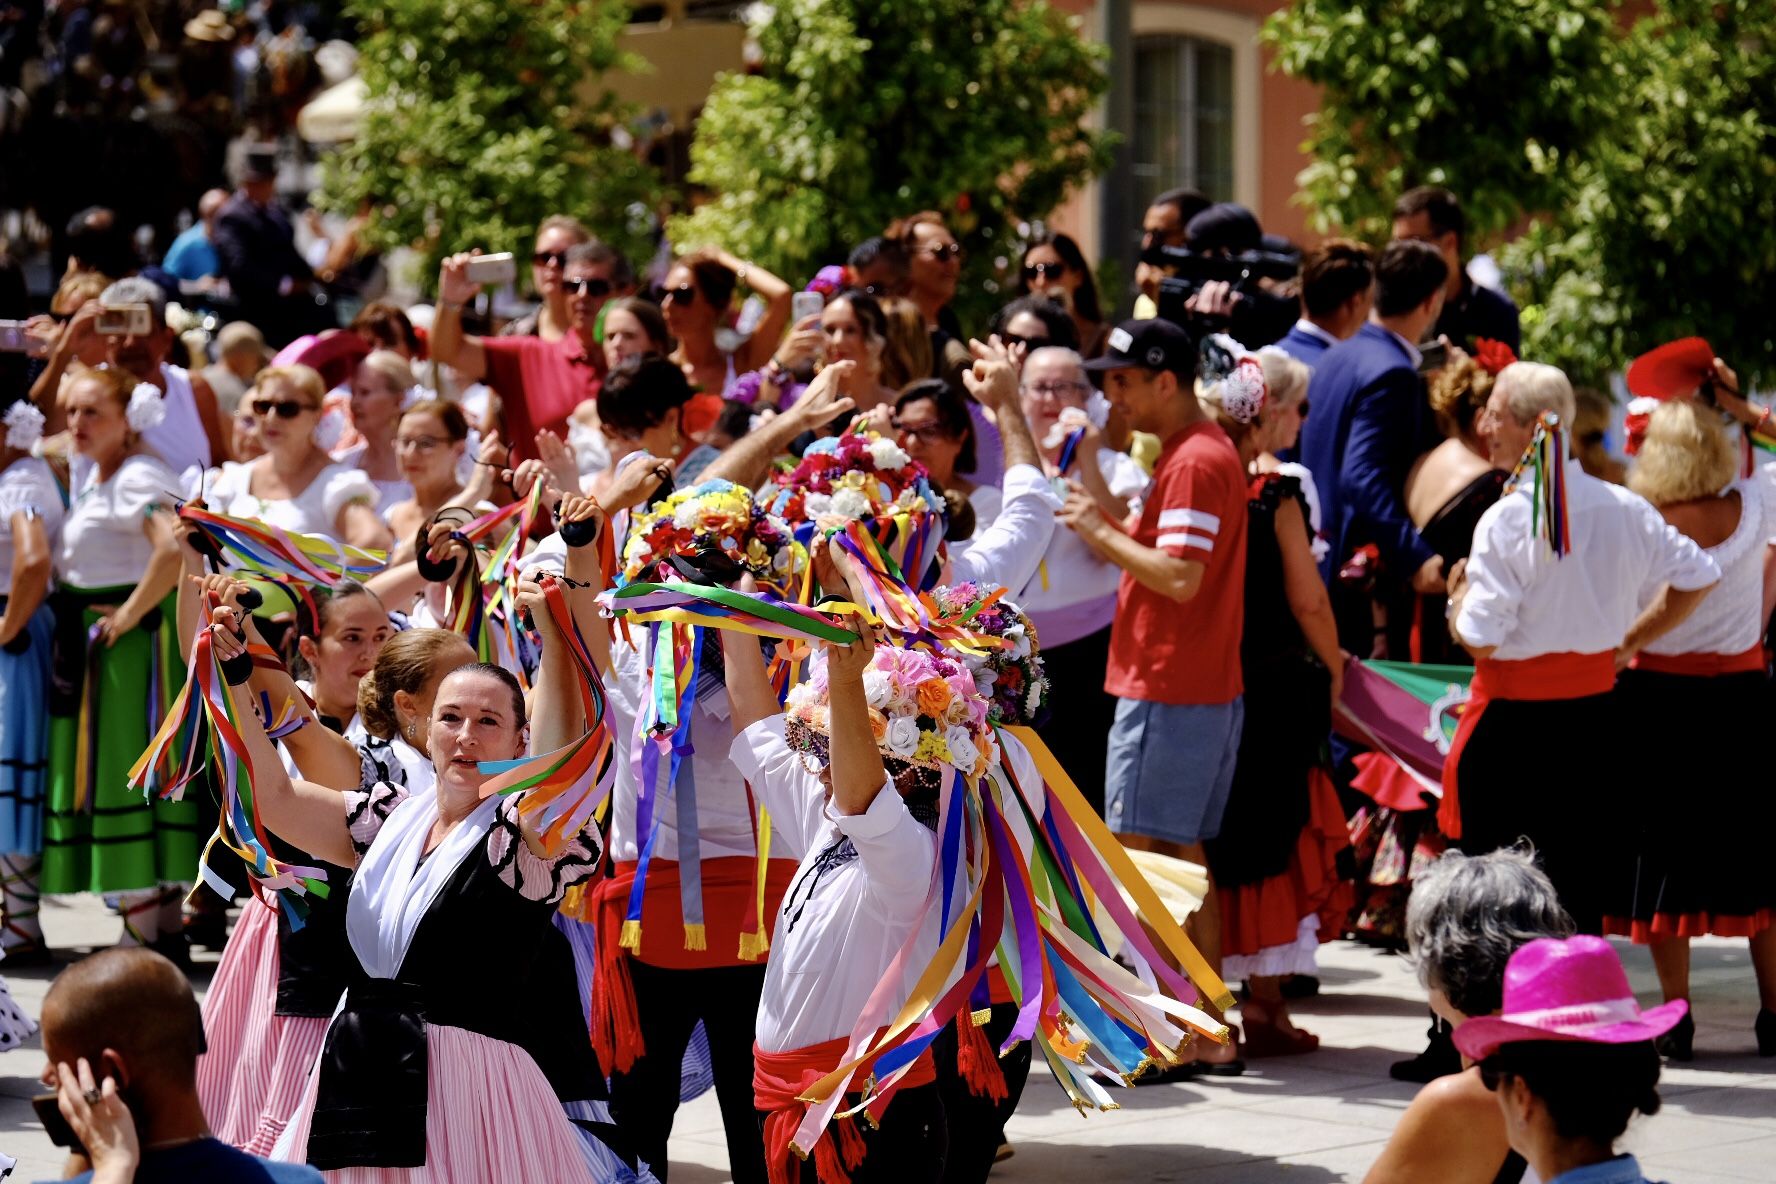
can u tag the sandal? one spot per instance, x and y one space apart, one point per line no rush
1265 1039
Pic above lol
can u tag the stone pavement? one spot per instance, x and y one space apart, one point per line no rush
1313 1119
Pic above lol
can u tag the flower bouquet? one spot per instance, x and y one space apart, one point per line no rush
711 533
1010 677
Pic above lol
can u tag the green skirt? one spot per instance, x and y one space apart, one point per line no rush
100 835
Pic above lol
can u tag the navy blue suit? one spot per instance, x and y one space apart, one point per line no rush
1370 421
1302 346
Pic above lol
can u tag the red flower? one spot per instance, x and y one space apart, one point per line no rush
1493 356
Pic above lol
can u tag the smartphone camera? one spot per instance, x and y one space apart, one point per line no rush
492 269
126 320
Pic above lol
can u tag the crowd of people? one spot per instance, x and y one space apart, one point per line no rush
1130 564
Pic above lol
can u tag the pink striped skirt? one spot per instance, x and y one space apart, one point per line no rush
251 1078
491 1117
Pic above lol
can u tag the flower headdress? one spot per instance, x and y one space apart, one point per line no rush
1493 356
146 408
708 532
1010 677
924 708
1231 377
858 475
24 425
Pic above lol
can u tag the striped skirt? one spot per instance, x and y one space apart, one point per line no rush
24 736
257 1062
491 1117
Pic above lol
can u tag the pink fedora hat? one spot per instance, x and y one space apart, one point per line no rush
1566 990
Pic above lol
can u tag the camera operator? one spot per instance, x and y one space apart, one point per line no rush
1162 226
1219 281
1337 292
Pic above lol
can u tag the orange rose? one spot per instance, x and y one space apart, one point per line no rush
933 697
878 724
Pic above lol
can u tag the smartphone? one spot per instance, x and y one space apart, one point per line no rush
14 339
804 305
1433 355
49 1113
126 320
493 269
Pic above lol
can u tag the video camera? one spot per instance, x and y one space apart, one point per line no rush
1260 311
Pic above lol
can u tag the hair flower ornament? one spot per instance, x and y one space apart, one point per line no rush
24 425
1231 377
146 410
1493 356
330 430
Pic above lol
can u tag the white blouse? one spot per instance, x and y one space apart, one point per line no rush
104 543
27 486
1073 593
1526 602
313 511
1730 619
389 493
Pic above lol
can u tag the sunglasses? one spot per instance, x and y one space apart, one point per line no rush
285 408
683 294
945 253
1046 271
1029 343
590 286
550 259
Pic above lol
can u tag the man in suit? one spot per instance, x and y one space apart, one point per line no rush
1471 311
1370 421
257 249
1337 292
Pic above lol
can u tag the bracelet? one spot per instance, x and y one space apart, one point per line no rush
452 305
745 270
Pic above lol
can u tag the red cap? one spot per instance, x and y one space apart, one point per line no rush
1675 369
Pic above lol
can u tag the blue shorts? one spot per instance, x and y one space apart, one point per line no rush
1170 768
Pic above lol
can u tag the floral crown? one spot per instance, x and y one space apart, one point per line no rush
924 708
1010 678
858 475
713 530
1493 356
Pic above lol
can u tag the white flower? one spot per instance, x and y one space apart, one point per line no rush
24 425
888 455
1020 641
983 682
328 432
1033 696
849 503
1097 409
878 688
903 735
817 505
963 753
146 408
687 516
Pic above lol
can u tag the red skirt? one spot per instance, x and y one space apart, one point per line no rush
1272 927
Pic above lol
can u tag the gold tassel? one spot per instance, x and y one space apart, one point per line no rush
981 1017
696 936
631 936
753 946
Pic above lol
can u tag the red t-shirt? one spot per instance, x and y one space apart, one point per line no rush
539 384
1163 651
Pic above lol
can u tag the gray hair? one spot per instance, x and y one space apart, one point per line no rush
1531 388
1469 913
1070 356
136 290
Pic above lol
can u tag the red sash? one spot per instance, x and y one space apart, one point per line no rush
1543 678
728 887
1701 665
778 1081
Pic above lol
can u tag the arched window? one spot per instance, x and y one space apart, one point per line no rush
1183 128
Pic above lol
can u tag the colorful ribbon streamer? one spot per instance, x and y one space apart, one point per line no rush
1545 461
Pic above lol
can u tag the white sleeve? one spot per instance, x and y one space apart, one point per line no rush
1498 574
780 781
1676 560
345 486
144 484
1009 551
897 850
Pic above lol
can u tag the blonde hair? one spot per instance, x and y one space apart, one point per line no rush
406 662
1459 392
1284 377
1534 387
303 379
76 290
1686 455
394 371
907 356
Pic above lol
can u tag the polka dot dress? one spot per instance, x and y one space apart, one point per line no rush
15 1026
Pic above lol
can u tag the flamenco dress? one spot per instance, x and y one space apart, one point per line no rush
1275 864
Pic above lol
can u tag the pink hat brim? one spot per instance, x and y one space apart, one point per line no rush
1481 1036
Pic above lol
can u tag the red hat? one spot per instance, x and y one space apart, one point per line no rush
1673 370
335 354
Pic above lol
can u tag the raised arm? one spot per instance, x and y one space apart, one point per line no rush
777 296
1172 576
993 382
585 578
450 346
858 774
749 458
750 697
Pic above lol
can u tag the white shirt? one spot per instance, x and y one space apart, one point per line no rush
389 493
1526 602
1730 619
313 511
1073 593
1312 330
179 439
855 899
27 486
1007 552
104 541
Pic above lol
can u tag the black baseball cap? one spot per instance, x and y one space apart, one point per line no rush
1154 345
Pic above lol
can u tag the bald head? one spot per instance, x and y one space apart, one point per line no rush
133 1002
211 203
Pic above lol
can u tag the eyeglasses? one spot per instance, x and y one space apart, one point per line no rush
550 259
1046 271
1056 390
929 430
944 254
1303 410
285 408
590 285
683 294
417 443
1029 343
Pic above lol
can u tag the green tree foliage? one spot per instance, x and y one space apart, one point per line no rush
1669 226
865 110
485 116
1487 97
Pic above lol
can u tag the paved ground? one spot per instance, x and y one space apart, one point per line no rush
1318 1118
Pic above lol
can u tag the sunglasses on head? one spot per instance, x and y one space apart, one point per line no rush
945 253
550 258
591 286
683 294
285 408
1046 271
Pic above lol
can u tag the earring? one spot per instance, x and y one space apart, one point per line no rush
410 731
